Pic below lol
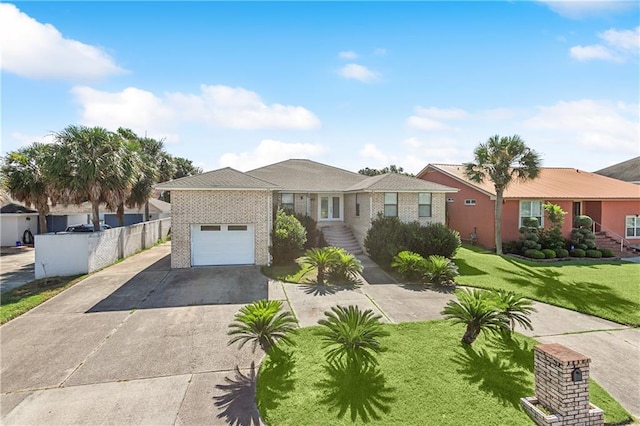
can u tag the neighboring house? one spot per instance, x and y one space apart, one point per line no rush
628 171
225 216
613 205
15 220
61 216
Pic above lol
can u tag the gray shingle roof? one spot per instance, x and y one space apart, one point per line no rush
226 178
307 176
394 182
628 171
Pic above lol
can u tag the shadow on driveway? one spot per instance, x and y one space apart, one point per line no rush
159 286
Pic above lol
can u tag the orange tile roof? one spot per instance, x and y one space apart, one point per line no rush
552 183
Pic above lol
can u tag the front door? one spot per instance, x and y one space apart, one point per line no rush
330 207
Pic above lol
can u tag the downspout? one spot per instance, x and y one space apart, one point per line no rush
370 207
269 225
308 203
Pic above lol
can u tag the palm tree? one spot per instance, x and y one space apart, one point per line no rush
91 164
26 179
262 323
346 267
441 270
502 159
352 334
321 259
476 309
516 308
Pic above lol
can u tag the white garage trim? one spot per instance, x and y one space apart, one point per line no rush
222 244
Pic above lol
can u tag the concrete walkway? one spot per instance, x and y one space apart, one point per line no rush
16 267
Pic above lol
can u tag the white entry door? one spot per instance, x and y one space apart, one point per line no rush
222 245
330 207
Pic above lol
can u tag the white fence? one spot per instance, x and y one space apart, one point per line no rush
84 252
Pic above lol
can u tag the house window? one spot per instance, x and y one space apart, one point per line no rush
632 226
237 228
469 202
391 204
450 200
531 209
424 204
357 206
210 227
286 201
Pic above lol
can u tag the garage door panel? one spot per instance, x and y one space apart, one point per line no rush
222 245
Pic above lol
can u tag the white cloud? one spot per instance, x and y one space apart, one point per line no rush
24 139
269 152
590 123
578 9
619 45
358 72
347 54
32 49
218 106
380 51
432 118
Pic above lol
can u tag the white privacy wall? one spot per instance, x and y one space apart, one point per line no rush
65 254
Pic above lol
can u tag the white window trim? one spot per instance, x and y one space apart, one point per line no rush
541 223
384 204
637 224
470 202
430 204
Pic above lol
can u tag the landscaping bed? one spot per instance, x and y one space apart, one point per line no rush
425 376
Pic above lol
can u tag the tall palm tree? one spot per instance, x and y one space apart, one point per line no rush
501 160
91 164
26 179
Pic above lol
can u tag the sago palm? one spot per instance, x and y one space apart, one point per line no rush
346 266
262 323
351 334
516 308
321 259
477 310
441 270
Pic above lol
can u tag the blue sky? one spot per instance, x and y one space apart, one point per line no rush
360 84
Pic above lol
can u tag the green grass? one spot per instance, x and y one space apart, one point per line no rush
291 273
425 377
24 298
604 288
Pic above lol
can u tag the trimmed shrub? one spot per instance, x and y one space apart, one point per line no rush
534 254
607 252
577 253
590 245
561 252
582 221
385 239
288 238
595 254
549 254
512 247
313 233
434 239
410 265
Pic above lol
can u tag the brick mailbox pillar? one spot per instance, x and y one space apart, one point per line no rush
562 388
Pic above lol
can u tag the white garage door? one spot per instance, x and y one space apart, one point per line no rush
222 245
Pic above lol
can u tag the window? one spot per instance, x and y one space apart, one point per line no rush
424 204
470 202
237 227
210 227
357 206
633 226
531 209
450 200
286 201
391 204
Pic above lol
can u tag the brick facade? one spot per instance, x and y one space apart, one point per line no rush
219 207
557 391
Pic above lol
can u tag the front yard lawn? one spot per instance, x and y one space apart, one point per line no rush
425 377
607 289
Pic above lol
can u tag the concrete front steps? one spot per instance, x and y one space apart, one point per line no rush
605 241
341 236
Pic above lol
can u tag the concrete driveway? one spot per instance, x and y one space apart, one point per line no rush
136 343
16 267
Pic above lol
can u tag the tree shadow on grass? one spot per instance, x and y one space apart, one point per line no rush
360 390
517 350
238 402
547 285
494 374
275 380
466 269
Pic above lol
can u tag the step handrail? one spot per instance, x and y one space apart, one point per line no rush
609 231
